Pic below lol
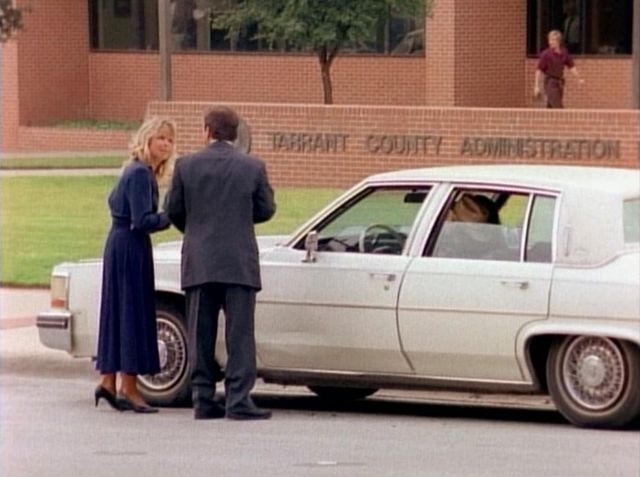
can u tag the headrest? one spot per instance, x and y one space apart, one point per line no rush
467 209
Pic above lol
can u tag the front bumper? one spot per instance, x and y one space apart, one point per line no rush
54 329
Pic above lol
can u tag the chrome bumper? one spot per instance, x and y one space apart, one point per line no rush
54 329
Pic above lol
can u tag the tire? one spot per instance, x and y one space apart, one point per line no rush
342 394
172 385
595 381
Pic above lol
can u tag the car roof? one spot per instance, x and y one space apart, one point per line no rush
613 180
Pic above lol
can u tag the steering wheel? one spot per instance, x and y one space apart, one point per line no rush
367 241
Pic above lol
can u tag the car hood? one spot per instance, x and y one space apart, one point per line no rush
169 251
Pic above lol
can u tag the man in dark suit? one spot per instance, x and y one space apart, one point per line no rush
216 197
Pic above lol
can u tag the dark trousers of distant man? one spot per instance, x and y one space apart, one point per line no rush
554 90
204 303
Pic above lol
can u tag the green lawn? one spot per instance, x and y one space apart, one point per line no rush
46 220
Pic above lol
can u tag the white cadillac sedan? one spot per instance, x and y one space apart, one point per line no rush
521 279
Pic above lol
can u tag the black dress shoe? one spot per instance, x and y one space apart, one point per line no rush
128 405
103 393
209 412
249 415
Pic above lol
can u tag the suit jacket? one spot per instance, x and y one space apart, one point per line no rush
216 197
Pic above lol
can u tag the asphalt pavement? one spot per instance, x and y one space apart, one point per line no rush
19 306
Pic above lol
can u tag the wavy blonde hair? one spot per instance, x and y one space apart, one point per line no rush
139 146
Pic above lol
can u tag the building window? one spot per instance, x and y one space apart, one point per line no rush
123 24
590 27
133 24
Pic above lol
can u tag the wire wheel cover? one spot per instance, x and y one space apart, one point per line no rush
173 357
594 372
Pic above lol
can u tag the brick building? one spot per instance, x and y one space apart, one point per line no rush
99 59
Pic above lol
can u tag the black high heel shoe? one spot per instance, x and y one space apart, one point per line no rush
128 405
103 393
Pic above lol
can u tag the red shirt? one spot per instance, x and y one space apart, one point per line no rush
552 62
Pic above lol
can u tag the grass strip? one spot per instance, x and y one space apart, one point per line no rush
100 124
45 220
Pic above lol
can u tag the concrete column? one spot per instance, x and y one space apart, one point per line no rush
475 53
9 106
440 54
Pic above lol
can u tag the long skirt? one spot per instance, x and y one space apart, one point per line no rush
127 340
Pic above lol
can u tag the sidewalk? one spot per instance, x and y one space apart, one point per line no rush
19 306
60 172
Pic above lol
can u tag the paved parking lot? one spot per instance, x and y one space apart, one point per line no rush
19 306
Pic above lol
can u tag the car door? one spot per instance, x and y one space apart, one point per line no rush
338 311
485 272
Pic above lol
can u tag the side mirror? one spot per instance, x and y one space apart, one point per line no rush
311 246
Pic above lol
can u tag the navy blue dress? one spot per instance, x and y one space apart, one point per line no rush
127 340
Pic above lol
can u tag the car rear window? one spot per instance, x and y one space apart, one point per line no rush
631 219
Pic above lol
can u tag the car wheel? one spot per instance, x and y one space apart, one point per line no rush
342 394
594 381
172 385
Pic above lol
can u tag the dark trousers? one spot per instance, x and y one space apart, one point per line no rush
554 90
203 307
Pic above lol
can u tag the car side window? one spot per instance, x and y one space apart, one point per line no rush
540 230
480 225
376 221
631 220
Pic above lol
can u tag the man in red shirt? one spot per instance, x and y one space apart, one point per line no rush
551 66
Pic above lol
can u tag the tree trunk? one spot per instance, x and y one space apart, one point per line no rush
325 58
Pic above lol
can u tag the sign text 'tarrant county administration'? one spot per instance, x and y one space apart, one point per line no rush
436 145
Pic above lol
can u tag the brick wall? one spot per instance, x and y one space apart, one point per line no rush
43 139
489 53
338 145
53 66
440 60
123 83
296 79
475 58
607 83
9 113
475 53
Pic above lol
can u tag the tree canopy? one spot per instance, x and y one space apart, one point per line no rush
324 27
10 19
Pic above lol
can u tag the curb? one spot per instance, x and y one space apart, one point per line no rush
60 172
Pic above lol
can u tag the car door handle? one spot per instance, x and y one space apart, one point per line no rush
521 284
388 277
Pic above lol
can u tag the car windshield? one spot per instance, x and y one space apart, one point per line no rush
631 219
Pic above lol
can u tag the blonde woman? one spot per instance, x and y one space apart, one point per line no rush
127 340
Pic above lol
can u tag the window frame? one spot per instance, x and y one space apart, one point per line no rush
533 21
427 248
94 21
339 207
